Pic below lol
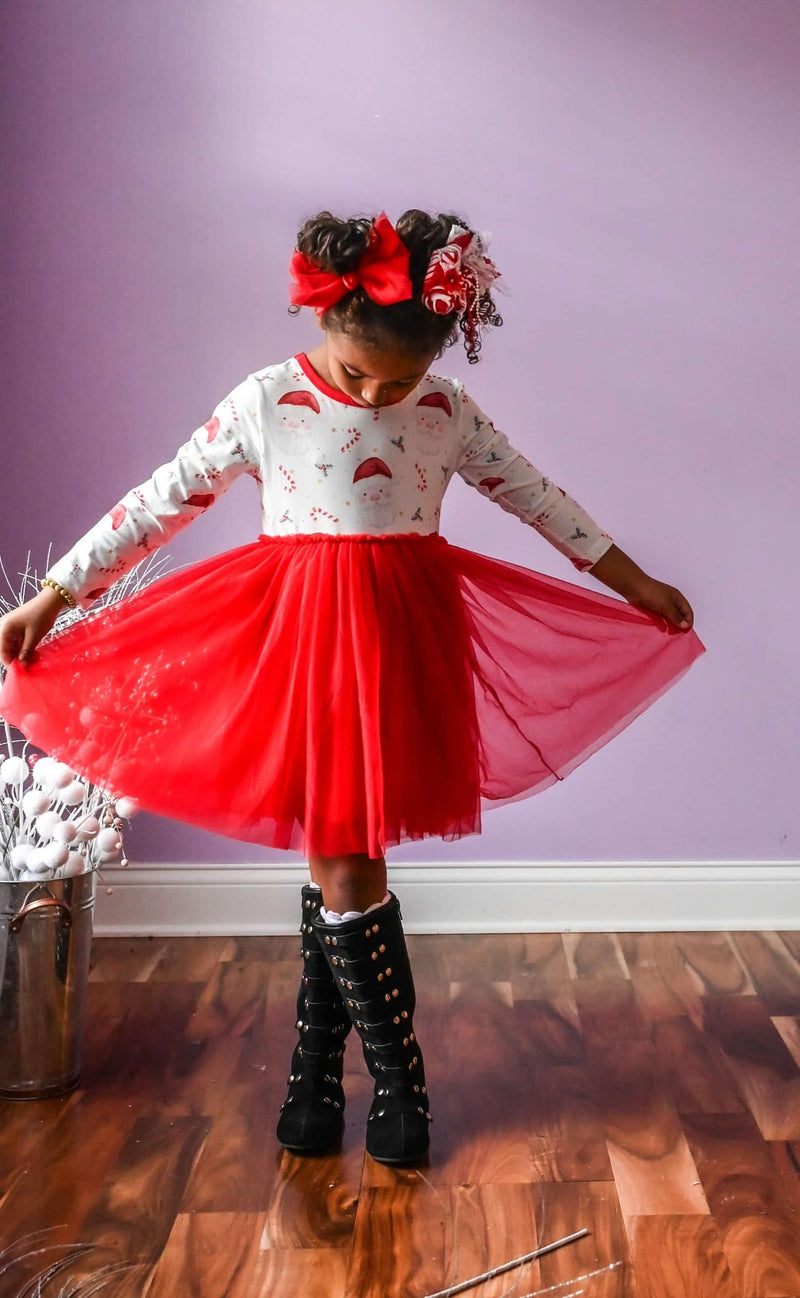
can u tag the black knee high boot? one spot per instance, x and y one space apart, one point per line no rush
312 1115
369 958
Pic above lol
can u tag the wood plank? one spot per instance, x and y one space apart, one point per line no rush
681 1257
604 992
694 1069
774 971
542 972
711 960
417 1238
565 1134
789 1030
209 1254
188 959
609 1013
480 1108
124 959
754 1214
472 956
541 1035
569 1206
666 986
765 1071
233 999
61 1184
592 957
287 1273
132 1215
651 1160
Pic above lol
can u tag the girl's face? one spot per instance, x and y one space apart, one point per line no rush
370 376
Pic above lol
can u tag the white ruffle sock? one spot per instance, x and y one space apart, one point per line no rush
333 917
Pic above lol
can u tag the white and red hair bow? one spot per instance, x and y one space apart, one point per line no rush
457 275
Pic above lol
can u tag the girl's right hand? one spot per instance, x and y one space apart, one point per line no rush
23 628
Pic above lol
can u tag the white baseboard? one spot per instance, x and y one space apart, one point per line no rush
471 897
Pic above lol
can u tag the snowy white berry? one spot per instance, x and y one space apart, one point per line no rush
108 840
46 824
88 828
13 771
43 772
20 853
126 807
73 794
35 801
65 832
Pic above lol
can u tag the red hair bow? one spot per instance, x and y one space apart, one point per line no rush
382 272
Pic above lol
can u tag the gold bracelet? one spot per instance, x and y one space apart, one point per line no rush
70 598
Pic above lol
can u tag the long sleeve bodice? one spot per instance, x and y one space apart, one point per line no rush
323 463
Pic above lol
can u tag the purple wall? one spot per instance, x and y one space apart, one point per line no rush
638 170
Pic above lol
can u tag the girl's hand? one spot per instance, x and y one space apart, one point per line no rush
666 601
23 628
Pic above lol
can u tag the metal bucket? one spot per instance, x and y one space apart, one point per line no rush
45 944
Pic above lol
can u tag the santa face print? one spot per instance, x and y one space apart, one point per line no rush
370 376
433 415
374 493
294 428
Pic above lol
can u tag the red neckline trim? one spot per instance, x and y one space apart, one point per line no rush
336 394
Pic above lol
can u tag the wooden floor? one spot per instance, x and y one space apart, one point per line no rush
644 1086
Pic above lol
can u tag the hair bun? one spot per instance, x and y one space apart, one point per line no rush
335 245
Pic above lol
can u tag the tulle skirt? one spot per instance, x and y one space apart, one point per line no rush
335 694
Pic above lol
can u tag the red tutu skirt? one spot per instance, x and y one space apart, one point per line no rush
335 694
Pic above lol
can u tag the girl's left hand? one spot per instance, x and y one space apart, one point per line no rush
666 601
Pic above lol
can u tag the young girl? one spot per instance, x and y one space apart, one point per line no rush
349 680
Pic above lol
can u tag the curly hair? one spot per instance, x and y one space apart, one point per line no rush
337 245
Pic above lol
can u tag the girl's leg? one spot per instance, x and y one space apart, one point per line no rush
349 882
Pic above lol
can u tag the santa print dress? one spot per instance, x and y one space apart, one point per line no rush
349 680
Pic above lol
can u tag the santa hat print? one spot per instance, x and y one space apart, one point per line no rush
301 398
436 399
491 483
369 468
